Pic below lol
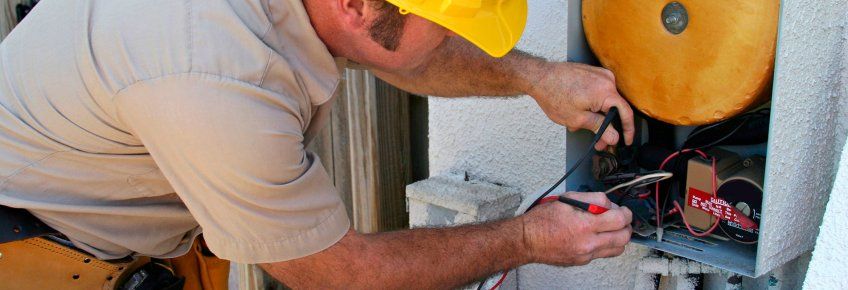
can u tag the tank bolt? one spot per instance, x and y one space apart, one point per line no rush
674 17
671 19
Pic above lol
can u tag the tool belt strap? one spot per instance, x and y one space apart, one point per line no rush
18 224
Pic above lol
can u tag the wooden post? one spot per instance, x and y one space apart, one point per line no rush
364 161
378 118
393 145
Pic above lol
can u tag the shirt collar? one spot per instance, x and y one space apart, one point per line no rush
295 39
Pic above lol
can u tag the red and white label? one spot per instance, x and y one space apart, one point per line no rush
719 208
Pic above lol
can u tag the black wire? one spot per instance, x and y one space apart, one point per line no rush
747 117
480 285
613 112
741 124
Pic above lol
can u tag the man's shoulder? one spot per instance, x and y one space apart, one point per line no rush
138 40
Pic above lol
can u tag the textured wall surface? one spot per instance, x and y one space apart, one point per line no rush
807 130
511 142
829 267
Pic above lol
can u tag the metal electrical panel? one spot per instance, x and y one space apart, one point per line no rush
784 232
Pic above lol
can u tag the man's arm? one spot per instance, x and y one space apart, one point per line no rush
442 258
570 94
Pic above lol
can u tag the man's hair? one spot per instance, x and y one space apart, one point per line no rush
387 29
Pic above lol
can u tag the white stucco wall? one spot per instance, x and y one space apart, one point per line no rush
829 266
511 142
806 132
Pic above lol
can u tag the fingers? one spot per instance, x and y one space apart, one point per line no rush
593 122
609 252
613 220
625 113
589 121
610 138
615 239
611 244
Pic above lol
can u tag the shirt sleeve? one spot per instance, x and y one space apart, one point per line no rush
234 154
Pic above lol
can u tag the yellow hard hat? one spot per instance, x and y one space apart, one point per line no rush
493 25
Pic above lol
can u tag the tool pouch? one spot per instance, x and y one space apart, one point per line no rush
41 263
201 269
31 257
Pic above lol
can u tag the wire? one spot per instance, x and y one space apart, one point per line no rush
500 281
611 114
743 119
677 205
741 124
657 189
643 180
688 227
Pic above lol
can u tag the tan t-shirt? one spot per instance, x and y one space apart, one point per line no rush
130 125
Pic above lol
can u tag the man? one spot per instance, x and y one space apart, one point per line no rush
131 125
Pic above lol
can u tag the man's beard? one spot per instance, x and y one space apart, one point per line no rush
387 29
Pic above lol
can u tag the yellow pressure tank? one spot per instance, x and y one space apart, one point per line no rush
686 62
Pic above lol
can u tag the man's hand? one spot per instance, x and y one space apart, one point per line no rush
570 94
573 95
559 234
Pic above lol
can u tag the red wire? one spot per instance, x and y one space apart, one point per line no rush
547 199
688 227
677 205
500 281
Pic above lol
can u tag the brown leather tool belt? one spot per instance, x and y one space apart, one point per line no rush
34 256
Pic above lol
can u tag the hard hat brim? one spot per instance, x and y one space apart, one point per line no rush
494 29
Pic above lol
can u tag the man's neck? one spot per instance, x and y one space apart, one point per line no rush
322 20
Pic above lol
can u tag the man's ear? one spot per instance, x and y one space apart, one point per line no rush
353 12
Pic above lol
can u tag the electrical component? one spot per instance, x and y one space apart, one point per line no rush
699 179
737 199
743 189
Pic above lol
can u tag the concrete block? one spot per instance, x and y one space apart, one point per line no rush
447 200
451 200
